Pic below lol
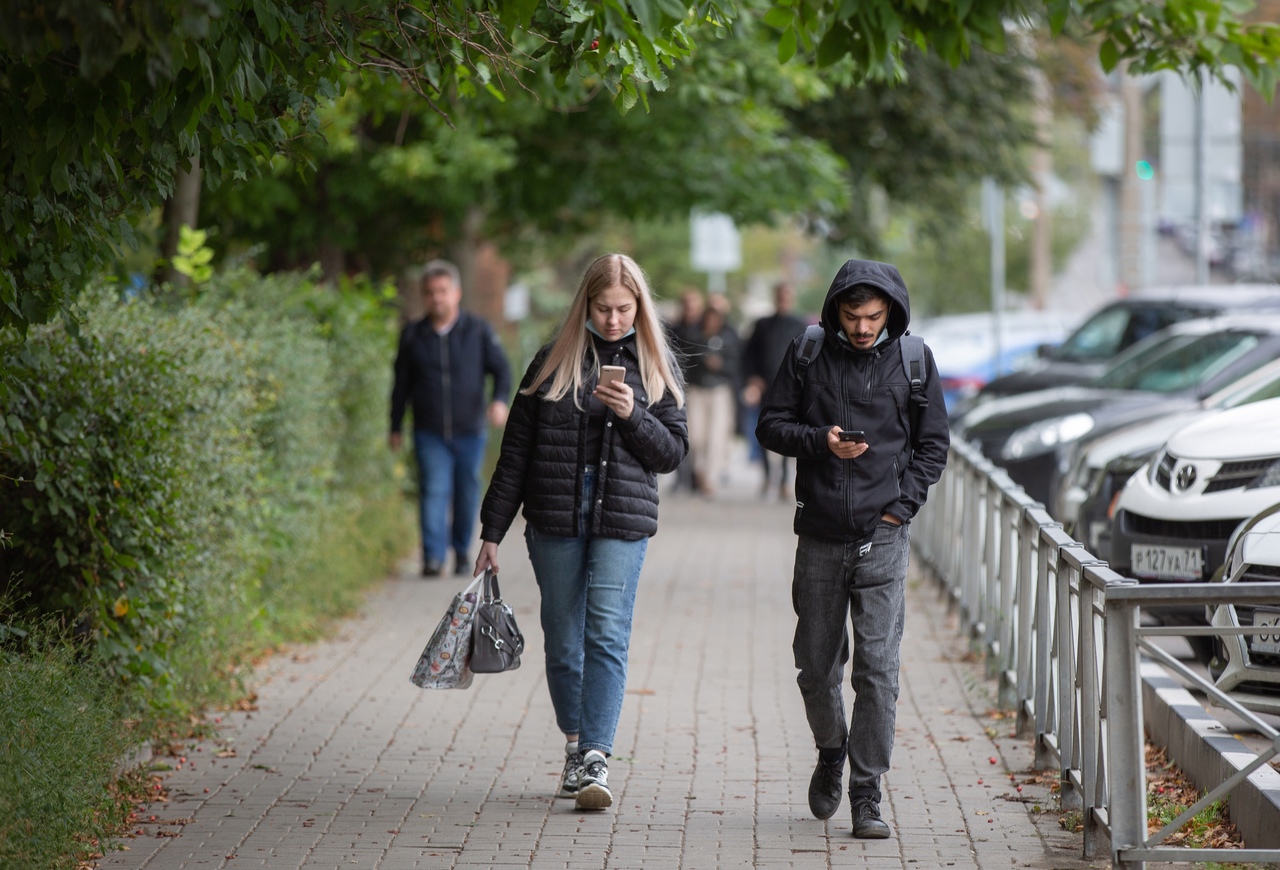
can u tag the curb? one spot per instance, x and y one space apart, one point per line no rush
1208 754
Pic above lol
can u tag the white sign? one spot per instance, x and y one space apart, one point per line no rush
716 245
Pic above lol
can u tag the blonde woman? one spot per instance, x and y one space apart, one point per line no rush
583 457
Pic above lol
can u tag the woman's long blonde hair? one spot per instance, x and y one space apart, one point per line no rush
563 365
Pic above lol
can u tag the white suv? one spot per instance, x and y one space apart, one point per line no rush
1174 517
1251 663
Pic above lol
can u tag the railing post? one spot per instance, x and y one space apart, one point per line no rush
1065 637
993 616
1126 759
1089 715
1046 602
1027 608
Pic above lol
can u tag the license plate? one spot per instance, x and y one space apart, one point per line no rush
1155 562
1266 643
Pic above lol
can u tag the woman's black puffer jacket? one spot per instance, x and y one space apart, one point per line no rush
541 462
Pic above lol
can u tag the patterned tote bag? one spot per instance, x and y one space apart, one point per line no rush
445 663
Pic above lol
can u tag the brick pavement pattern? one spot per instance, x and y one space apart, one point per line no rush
345 764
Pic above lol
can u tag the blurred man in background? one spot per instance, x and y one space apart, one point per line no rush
441 367
769 341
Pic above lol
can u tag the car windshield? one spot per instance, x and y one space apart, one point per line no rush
1113 329
1252 389
1178 364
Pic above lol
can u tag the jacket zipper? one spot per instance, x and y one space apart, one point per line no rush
446 382
847 466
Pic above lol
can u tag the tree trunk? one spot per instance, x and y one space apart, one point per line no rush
485 274
180 210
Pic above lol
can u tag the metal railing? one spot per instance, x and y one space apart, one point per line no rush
1062 635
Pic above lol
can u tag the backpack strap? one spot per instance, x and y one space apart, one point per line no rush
912 347
810 347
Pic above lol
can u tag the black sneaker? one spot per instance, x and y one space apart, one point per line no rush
824 787
462 565
867 823
593 788
571 779
432 568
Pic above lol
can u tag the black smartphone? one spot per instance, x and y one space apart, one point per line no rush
857 436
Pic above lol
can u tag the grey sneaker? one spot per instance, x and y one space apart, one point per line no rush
593 788
867 823
572 776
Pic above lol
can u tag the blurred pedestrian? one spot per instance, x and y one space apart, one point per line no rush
582 455
770 338
714 378
865 462
441 367
686 340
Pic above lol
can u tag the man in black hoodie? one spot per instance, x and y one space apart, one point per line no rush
441 367
855 498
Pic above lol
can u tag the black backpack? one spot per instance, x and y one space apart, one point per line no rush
912 347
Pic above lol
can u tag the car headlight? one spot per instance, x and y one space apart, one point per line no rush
1040 438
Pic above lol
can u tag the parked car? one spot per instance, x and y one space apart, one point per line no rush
1174 517
964 345
1114 328
1029 435
1248 667
1099 467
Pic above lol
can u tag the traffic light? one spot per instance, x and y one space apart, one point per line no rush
1145 170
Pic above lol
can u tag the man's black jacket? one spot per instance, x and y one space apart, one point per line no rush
843 499
768 344
443 376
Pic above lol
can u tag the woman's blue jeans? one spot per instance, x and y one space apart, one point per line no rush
588 596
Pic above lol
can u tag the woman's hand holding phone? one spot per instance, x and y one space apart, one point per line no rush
612 389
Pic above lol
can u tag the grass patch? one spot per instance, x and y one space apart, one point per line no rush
1169 793
60 733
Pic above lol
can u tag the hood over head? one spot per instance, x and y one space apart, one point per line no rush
882 276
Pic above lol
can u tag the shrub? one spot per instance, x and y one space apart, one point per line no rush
176 466
183 482
129 463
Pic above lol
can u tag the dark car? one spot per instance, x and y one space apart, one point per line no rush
1085 353
1029 435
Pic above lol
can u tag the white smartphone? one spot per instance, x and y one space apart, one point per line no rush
610 374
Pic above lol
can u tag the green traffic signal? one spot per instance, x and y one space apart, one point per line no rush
1145 170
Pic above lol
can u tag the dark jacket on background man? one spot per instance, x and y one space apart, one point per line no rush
544 450
725 348
443 376
768 344
844 499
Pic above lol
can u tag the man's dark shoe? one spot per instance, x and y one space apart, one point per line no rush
432 568
824 787
462 565
867 823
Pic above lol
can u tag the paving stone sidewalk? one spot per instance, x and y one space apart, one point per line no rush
345 764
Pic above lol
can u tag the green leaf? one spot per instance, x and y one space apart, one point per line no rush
780 17
834 44
647 16
1108 55
787 45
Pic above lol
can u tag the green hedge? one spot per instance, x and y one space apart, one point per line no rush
184 482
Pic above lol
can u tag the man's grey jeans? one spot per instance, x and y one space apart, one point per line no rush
867 580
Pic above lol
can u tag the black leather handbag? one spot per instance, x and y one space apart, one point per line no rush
496 642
